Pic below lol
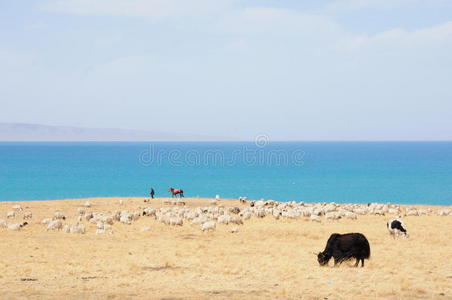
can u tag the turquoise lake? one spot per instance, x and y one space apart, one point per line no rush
343 172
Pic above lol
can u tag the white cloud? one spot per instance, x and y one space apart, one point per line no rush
440 34
136 8
357 5
272 22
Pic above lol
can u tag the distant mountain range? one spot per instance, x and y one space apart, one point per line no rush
36 132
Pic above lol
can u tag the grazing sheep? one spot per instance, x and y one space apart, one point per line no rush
444 212
234 229
315 218
125 219
332 216
121 202
260 213
276 214
89 216
224 219
46 221
54 224
360 211
209 225
176 221
66 228
393 211
234 210
81 211
259 203
246 215
350 215
17 226
87 204
235 220
199 220
3 223
28 215
78 228
10 214
135 216
150 212
59 215
412 212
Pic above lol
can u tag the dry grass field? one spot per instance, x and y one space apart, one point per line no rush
267 258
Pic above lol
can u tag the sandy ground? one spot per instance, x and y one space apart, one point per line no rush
265 259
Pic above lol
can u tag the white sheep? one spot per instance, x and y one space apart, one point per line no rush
350 215
234 229
150 212
209 225
176 221
246 215
235 220
10 214
3 224
54 224
81 211
412 212
59 215
332 216
87 204
315 218
78 228
444 212
224 219
28 215
17 226
46 221
66 228
121 202
125 219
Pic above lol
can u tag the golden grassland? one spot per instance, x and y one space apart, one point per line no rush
267 258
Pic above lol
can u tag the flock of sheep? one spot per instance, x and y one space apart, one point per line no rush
208 217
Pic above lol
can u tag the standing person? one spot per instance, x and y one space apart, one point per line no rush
152 193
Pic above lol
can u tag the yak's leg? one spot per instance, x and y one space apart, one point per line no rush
357 262
338 262
362 262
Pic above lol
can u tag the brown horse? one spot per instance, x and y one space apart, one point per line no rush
175 192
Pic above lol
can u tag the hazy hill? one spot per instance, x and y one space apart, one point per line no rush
37 132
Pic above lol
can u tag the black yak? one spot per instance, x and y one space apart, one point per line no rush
343 247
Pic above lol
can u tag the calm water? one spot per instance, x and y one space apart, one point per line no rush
413 172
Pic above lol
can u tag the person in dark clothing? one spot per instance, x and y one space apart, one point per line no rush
152 193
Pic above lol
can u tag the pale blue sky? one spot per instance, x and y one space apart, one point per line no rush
295 70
